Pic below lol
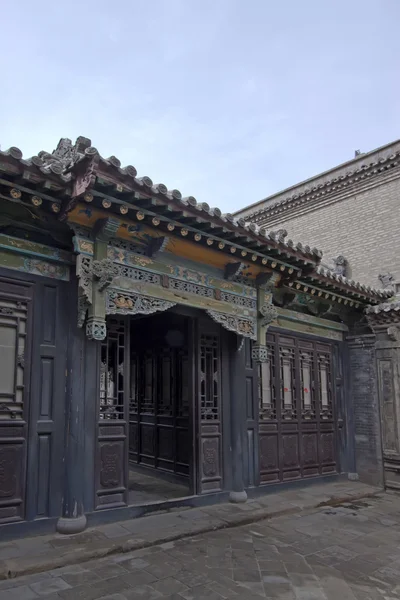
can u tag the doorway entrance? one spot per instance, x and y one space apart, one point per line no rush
160 419
161 403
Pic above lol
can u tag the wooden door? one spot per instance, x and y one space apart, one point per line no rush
209 407
297 423
33 330
15 346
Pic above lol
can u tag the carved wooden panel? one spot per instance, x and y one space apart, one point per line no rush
112 445
297 426
15 340
251 468
210 477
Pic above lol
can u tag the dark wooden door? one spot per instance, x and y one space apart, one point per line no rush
160 393
297 423
33 330
15 346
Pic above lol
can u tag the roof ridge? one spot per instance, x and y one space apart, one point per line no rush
302 193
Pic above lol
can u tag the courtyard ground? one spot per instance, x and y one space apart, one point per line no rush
346 551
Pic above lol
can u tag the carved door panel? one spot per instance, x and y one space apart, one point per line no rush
15 340
250 450
160 397
210 476
112 468
297 422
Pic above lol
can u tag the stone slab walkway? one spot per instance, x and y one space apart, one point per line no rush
44 553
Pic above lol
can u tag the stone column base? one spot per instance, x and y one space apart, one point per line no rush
352 476
70 526
237 497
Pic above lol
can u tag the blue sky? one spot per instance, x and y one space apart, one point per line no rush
226 100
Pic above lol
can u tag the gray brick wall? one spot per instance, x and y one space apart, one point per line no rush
364 397
364 227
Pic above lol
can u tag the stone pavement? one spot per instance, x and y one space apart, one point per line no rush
350 551
36 554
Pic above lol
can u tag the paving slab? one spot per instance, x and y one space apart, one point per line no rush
46 553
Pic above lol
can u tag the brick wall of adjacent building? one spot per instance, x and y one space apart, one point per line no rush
364 227
365 402
351 210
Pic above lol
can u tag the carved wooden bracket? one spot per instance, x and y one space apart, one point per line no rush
155 245
231 270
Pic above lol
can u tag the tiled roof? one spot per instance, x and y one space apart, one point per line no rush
364 168
67 158
62 168
327 273
385 307
38 164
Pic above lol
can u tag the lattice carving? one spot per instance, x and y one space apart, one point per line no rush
137 274
239 325
191 288
13 327
307 384
239 300
325 385
131 304
288 386
259 353
267 389
209 378
112 373
96 329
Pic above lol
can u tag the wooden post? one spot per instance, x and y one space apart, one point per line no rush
238 417
73 519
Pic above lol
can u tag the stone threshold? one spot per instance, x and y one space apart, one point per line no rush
42 553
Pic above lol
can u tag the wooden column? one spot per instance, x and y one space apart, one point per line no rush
73 519
238 417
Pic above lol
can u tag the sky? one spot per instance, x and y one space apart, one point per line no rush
226 100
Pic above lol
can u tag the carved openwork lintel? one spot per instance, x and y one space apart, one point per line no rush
96 329
126 303
259 353
240 325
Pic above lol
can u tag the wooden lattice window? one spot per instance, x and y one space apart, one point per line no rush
325 385
112 372
13 331
209 378
267 387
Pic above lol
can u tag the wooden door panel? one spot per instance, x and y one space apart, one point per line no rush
210 476
15 341
297 424
113 415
